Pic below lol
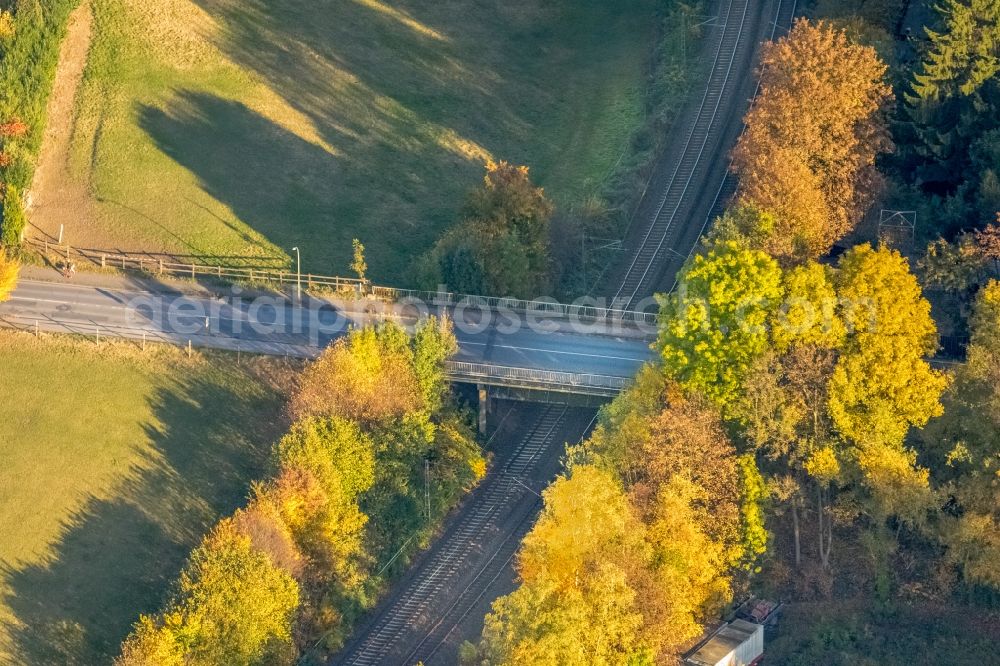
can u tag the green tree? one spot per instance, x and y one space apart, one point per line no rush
358 263
334 451
963 447
956 266
715 324
744 224
955 100
502 245
964 56
433 344
783 414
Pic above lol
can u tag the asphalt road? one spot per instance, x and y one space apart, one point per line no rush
274 325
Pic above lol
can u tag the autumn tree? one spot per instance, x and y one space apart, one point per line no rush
502 245
576 602
988 243
601 586
881 385
715 324
365 376
325 467
808 313
377 373
232 606
9 271
812 135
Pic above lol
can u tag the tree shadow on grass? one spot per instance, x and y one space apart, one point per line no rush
274 181
410 96
390 86
116 559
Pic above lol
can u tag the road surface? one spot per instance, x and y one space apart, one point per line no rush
274 325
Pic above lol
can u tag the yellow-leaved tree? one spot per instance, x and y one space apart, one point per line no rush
578 567
9 271
232 606
882 385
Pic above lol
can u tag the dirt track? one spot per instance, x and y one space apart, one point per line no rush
55 197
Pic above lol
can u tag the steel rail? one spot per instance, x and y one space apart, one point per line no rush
704 128
714 211
501 490
420 655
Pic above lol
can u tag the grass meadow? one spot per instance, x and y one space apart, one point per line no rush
114 464
234 130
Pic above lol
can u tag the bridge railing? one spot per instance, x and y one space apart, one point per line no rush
543 308
156 265
531 378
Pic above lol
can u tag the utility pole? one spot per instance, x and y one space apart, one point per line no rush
298 274
427 487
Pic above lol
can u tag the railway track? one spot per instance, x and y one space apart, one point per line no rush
449 563
783 18
461 570
666 224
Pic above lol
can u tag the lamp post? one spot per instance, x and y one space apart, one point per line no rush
298 274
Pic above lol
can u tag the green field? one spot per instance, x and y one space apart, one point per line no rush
114 464
234 130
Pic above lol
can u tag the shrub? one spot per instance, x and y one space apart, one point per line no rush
27 69
14 220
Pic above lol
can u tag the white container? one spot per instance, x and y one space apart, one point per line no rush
738 643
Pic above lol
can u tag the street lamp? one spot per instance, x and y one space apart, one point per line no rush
298 273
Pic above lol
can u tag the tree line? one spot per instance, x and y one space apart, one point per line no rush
792 423
377 452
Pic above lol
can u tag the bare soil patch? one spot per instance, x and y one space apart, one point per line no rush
56 197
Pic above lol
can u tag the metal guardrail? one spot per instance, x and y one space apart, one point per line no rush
157 266
99 331
589 384
461 371
545 308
